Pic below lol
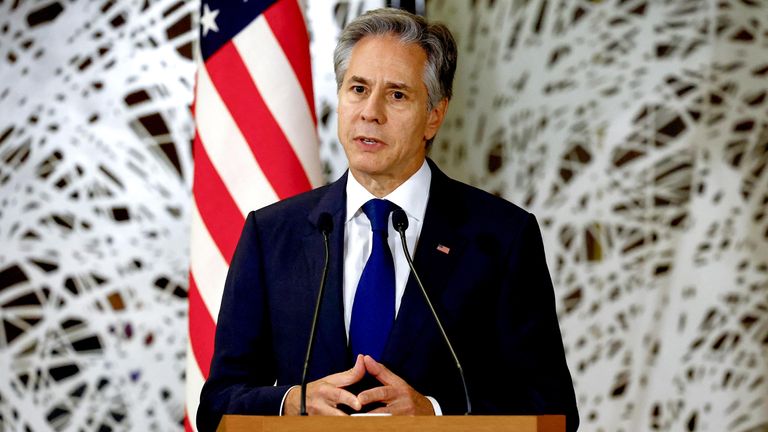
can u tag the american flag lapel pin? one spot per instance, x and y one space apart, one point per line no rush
443 248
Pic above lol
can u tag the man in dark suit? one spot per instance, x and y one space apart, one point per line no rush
480 257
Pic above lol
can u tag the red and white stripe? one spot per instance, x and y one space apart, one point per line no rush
256 143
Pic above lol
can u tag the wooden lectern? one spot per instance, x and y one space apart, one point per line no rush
542 423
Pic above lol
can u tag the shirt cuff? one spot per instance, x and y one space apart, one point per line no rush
282 402
435 406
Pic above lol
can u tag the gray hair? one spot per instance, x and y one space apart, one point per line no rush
435 39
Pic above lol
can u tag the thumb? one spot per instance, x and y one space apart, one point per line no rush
381 373
349 376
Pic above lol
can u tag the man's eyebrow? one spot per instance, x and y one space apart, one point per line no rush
398 86
358 79
389 84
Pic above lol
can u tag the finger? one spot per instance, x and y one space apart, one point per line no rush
326 396
400 406
348 377
348 399
376 394
381 410
381 373
326 410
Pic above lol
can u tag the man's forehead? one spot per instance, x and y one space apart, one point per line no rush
386 53
390 40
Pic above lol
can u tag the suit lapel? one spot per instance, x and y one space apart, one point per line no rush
331 343
439 247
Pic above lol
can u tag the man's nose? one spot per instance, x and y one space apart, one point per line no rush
373 110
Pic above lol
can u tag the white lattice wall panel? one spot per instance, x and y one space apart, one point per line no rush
95 170
637 131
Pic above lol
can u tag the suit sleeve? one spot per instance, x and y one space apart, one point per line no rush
532 346
242 375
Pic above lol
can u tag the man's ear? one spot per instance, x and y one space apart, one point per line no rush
435 119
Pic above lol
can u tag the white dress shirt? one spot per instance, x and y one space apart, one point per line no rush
411 196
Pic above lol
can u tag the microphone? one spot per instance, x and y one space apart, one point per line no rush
325 225
400 223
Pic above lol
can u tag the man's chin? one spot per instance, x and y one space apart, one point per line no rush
366 168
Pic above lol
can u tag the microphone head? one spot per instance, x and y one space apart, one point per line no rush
399 220
325 223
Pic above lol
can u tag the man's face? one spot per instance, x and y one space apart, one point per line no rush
383 118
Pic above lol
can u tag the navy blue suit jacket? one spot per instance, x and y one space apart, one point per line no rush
492 291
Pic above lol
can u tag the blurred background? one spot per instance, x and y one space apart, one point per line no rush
635 130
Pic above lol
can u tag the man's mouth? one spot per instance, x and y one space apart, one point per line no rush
368 140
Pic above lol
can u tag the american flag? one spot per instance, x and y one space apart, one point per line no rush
255 143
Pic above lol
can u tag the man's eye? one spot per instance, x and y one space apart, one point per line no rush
358 89
398 95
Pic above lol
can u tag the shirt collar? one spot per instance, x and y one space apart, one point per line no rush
410 196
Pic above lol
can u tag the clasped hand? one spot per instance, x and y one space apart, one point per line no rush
325 394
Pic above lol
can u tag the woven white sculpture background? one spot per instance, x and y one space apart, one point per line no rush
637 132
95 173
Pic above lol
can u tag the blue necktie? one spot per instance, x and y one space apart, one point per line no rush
373 311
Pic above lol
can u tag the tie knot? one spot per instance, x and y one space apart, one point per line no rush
378 211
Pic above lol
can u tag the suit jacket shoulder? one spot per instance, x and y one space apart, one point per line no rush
305 207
